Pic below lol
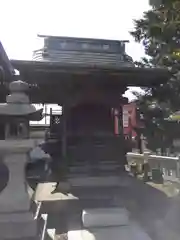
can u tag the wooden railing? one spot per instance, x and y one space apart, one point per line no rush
169 167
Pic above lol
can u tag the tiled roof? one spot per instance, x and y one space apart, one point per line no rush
85 52
85 58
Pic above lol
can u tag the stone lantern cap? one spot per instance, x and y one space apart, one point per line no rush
18 86
17 102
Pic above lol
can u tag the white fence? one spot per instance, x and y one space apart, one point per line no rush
170 166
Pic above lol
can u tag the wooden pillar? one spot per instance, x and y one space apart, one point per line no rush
116 121
50 117
139 143
45 113
120 121
64 132
63 167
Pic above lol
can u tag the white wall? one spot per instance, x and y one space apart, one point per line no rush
46 109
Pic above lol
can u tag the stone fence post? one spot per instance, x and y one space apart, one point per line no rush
146 167
178 167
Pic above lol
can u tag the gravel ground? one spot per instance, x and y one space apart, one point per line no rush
149 204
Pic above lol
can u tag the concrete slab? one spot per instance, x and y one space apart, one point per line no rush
132 232
96 230
44 193
105 217
169 188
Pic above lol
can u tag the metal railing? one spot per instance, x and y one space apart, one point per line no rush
168 166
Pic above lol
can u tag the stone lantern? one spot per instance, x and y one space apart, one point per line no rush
16 220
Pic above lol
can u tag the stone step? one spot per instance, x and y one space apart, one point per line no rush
96 181
102 224
123 232
101 167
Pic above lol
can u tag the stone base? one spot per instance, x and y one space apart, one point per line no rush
105 217
63 187
18 226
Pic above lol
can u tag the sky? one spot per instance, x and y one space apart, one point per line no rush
22 20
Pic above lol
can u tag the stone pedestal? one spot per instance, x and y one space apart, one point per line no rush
16 220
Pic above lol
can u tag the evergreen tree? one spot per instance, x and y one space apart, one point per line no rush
159 32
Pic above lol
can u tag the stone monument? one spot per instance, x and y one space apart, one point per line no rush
16 219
